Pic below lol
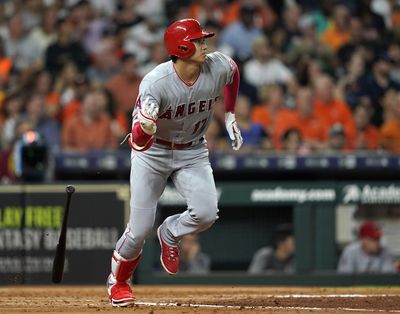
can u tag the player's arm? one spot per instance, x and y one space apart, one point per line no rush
230 95
144 125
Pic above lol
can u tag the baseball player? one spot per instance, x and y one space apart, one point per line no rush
171 115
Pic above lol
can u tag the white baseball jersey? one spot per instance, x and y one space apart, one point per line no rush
185 111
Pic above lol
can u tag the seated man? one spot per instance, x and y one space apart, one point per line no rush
279 257
366 255
192 259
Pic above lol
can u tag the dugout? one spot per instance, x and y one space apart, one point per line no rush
33 213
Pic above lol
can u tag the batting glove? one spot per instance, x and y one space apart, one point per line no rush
147 117
233 130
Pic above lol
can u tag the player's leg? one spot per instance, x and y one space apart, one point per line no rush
195 182
147 185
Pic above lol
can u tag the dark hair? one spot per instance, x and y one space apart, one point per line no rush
282 232
174 58
127 56
289 132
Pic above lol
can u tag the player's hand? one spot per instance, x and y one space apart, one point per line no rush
147 117
233 130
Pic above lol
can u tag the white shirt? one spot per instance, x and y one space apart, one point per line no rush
270 72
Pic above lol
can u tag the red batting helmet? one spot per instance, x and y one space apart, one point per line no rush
179 35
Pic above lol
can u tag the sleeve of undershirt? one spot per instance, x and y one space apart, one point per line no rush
231 89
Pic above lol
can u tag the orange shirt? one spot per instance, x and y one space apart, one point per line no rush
264 16
284 120
369 136
335 39
390 135
70 109
5 67
124 91
336 112
311 128
78 135
261 115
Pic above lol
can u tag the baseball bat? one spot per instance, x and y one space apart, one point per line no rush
59 258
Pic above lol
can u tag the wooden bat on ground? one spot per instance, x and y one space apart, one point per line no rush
59 258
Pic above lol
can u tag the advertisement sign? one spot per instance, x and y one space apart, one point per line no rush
371 194
30 222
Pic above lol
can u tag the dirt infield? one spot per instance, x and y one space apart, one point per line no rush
201 299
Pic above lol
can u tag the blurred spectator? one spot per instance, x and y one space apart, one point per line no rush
89 129
390 130
36 119
158 55
337 139
376 84
191 258
240 35
292 142
72 104
13 108
264 68
367 136
265 15
18 45
207 10
105 61
389 100
146 8
356 40
39 81
307 46
303 118
337 34
124 86
290 25
142 36
127 15
45 33
31 13
273 102
366 255
394 56
373 24
65 49
254 136
279 257
349 84
6 64
216 137
330 109
119 122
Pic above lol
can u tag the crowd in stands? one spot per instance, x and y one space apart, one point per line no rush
316 75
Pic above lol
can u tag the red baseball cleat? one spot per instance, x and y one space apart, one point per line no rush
118 287
169 256
121 295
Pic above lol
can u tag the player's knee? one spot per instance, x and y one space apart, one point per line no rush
207 216
139 234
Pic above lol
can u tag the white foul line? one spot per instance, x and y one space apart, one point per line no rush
284 296
258 307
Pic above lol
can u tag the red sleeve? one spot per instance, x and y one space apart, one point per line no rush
231 91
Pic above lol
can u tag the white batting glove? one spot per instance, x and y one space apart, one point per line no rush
233 130
147 117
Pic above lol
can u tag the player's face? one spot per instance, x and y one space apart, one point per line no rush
201 50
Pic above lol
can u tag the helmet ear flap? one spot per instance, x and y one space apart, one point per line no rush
186 49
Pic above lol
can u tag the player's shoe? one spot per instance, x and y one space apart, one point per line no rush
169 256
121 295
118 288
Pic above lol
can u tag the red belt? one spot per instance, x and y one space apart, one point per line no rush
172 145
